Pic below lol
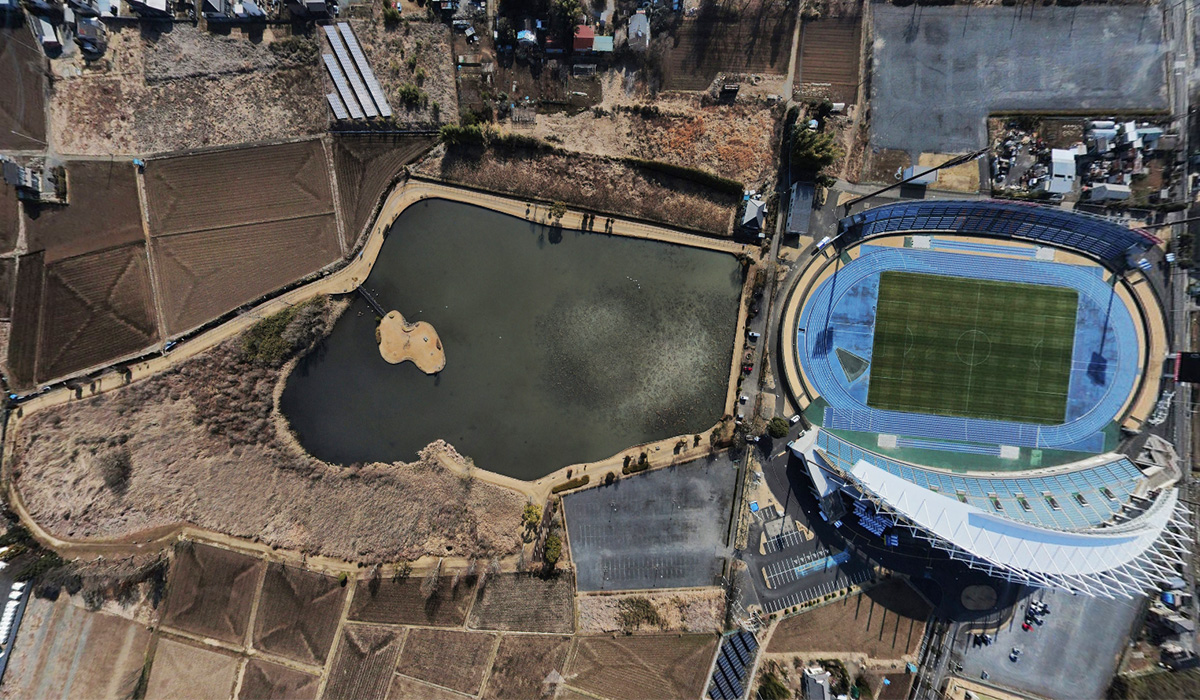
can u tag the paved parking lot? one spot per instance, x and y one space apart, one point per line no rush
1072 655
663 529
939 71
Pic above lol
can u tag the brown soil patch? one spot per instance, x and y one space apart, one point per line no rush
886 622
389 52
522 664
630 668
23 70
364 664
526 603
960 178
211 591
683 611
298 614
8 279
452 658
230 470
263 680
880 165
401 602
65 651
830 52
184 671
26 315
730 36
418 343
404 687
10 217
597 183
366 166
97 191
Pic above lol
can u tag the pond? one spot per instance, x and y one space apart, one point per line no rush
561 347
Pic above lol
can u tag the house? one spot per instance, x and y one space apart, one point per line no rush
924 178
800 209
1108 192
47 34
313 9
1061 178
602 44
91 35
584 38
150 8
816 684
232 11
639 31
754 215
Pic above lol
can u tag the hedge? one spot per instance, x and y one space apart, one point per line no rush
572 484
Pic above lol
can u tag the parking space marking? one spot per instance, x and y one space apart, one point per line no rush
784 541
842 581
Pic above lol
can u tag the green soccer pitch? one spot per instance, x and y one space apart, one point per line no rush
956 346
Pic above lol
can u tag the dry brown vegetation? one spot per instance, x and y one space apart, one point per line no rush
298 613
403 602
526 603
365 167
23 107
263 680
404 687
365 662
210 592
186 88
600 184
731 36
685 611
453 658
427 46
185 671
522 663
230 469
630 668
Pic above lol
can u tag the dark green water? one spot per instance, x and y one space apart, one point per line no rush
561 346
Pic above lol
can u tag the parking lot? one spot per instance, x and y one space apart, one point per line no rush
938 72
662 529
1071 655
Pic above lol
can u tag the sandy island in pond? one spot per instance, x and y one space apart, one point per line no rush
419 342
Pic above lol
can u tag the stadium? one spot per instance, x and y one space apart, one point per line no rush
974 374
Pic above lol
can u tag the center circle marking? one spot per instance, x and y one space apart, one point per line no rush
973 348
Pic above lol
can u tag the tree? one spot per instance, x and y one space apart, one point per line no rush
812 151
402 571
552 549
429 584
564 14
532 517
777 428
558 210
507 34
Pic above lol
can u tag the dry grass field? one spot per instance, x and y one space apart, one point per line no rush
526 603
401 602
452 658
886 622
263 680
210 592
298 614
364 168
364 664
522 662
830 53
389 51
185 671
23 72
729 36
631 668
679 611
404 688
65 651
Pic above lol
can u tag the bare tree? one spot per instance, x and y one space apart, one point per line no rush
430 584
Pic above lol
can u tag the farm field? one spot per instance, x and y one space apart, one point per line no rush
630 668
976 348
66 651
886 622
526 603
455 659
364 169
830 54
26 315
732 36
298 613
185 671
97 191
365 660
10 217
210 592
522 663
8 278
23 100
401 603
404 687
263 679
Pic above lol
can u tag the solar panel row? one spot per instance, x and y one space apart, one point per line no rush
360 92
368 75
733 661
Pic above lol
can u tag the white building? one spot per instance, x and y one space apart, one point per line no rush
1061 178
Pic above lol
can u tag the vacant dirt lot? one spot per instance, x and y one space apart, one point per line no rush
401 602
588 181
230 470
630 668
263 679
185 671
298 614
526 603
886 622
452 658
23 100
186 88
417 53
365 168
685 611
522 662
210 592
730 36
830 53
364 664
65 651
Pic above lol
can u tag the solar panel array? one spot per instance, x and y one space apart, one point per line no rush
736 657
338 107
347 64
1104 239
368 75
350 103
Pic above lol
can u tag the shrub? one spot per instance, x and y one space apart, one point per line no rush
343 579
770 688
274 339
532 517
295 50
411 95
638 611
777 428
572 484
552 549
116 466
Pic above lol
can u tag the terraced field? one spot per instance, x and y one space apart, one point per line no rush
631 668
298 614
364 664
210 592
452 658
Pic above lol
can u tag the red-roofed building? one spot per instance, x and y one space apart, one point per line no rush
584 36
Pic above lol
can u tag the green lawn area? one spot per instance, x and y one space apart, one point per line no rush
956 346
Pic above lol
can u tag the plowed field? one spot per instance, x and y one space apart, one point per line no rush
10 215
734 36
365 168
210 592
184 671
23 99
263 680
452 658
365 662
102 211
830 50
526 603
631 668
401 602
298 614
522 662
